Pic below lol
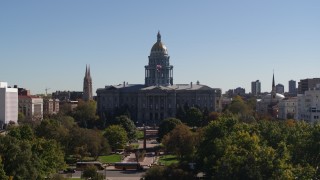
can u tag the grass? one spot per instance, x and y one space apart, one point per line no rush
139 134
135 145
74 179
168 160
110 158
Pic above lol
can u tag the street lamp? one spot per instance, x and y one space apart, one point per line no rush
105 171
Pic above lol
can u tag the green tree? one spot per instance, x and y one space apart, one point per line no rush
170 173
57 177
34 159
23 132
87 142
116 136
194 117
50 155
18 159
85 114
54 129
180 141
239 106
181 113
128 125
213 116
167 126
2 172
91 173
21 117
244 157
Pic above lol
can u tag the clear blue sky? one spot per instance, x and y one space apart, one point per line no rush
224 44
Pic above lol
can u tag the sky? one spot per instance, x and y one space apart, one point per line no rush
222 43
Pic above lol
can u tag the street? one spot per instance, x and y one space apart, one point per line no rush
114 174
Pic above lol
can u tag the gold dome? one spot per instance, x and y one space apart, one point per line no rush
159 46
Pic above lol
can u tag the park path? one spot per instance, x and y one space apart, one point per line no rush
147 161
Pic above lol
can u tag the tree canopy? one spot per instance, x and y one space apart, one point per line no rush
128 125
26 156
117 136
85 114
167 126
180 141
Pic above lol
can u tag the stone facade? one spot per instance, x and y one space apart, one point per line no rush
309 106
67 96
31 107
51 106
288 108
158 98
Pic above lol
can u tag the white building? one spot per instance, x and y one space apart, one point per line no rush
309 105
288 108
8 104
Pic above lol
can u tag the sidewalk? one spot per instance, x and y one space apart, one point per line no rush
131 158
147 161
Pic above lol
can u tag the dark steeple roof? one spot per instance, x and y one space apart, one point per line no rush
273 84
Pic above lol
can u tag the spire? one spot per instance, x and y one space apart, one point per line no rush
159 37
273 84
89 75
86 71
87 85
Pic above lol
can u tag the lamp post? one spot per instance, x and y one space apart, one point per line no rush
105 171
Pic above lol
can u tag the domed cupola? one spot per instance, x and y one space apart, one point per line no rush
159 47
159 71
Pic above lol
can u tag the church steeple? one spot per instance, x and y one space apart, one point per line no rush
89 75
273 84
86 74
87 85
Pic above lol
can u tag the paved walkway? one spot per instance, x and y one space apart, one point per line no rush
148 160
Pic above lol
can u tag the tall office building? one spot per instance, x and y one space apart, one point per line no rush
292 87
8 104
256 87
87 85
307 84
280 88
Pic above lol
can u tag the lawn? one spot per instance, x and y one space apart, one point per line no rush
139 134
110 158
135 145
168 160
